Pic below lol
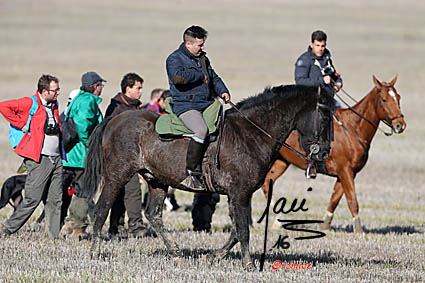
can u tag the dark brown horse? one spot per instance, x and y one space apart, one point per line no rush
118 151
349 150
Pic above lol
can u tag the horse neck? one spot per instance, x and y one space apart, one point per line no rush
367 108
276 122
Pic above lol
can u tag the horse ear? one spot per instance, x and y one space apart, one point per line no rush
394 80
376 81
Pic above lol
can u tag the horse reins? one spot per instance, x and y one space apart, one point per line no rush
379 100
283 143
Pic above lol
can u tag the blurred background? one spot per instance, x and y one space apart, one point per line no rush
251 44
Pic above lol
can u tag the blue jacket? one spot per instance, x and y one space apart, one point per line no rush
188 87
308 72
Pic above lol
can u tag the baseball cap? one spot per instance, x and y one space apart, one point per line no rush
90 78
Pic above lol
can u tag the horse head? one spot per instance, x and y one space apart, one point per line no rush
315 128
387 105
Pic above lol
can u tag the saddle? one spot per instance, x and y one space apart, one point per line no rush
170 127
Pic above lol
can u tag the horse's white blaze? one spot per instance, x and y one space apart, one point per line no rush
391 92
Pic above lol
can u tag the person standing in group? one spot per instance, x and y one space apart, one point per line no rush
130 197
85 112
41 147
157 104
157 101
315 68
193 85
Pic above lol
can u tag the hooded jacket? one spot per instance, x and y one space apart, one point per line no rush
120 103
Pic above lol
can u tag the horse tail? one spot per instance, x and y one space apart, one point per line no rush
93 165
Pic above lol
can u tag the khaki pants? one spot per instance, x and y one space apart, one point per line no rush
44 177
79 209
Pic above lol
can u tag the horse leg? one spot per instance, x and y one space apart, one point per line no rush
239 207
110 191
153 212
333 203
231 242
347 180
278 168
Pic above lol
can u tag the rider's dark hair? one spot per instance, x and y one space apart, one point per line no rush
194 32
319 36
129 80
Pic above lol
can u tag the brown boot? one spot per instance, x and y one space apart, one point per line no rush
80 233
67 228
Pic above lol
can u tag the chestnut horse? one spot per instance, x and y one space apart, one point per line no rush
349 150
118 151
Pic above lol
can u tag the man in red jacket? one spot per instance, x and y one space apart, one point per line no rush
41 148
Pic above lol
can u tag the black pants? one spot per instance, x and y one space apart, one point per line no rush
202 211
71 177
130 199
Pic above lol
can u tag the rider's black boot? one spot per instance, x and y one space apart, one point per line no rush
195 153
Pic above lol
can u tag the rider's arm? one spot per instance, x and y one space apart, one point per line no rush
180 73
218 84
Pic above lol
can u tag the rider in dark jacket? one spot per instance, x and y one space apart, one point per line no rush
193 84
314 68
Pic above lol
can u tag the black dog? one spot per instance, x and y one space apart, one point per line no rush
11 193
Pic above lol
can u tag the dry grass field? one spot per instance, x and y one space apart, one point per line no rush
252 44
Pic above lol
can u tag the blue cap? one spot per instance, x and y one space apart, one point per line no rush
90 78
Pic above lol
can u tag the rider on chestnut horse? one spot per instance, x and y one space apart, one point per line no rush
314 68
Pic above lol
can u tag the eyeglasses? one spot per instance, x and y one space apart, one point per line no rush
54 90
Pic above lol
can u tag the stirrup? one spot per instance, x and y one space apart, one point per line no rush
310 171
193 181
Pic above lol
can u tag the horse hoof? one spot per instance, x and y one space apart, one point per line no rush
324 226
213 257
220 255
250 267
357 226
327 220
276 225
207 258
176 252
94 253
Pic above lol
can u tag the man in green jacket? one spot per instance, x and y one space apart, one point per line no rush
85 112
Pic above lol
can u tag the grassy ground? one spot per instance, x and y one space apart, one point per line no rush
251 44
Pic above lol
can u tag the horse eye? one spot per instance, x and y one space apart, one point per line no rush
384 100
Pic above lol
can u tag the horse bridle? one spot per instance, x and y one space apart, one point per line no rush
378 101
314 146
389 123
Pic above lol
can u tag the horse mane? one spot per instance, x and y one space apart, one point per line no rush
271 96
